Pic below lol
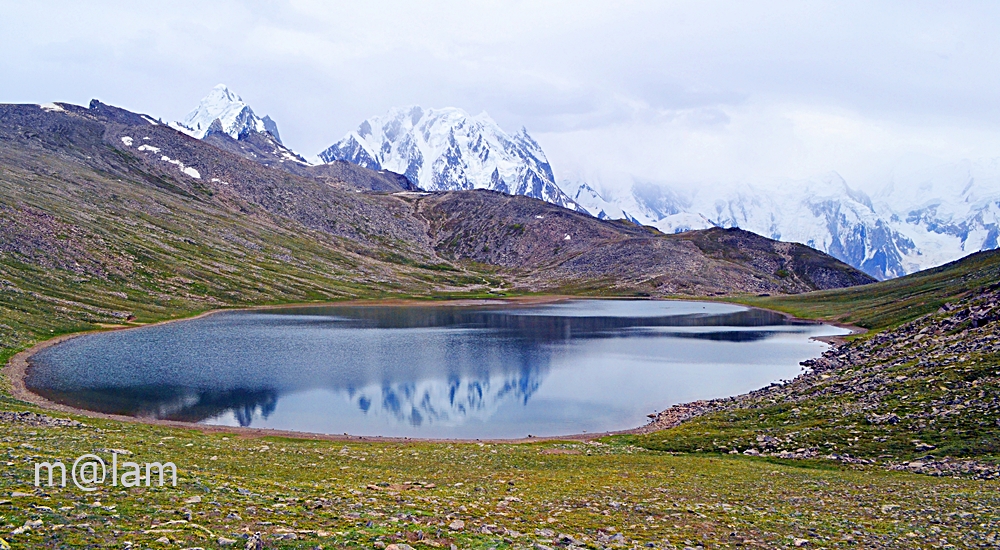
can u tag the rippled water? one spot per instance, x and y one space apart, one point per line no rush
430 371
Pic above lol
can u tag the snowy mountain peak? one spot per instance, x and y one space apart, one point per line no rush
448 149
234 115
919 219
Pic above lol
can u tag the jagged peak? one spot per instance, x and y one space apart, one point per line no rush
235 116
447 148
222 91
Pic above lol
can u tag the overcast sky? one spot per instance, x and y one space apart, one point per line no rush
675 92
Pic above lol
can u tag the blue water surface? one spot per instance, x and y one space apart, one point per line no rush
463 371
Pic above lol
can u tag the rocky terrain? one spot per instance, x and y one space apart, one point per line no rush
923 396
541 243
887 233
265 149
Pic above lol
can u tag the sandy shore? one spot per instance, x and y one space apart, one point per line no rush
16 371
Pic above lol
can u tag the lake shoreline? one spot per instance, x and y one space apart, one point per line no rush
16 371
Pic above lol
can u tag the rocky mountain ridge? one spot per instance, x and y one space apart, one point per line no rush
234 117
523 244
916 221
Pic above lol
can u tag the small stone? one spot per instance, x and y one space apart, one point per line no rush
255 542
565 539
798 543
192 500
456 525
223 541
163 540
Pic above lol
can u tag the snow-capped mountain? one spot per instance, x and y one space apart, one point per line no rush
916 221
447 149
919 219
225 120
235 117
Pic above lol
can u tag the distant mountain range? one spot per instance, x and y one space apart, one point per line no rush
916 221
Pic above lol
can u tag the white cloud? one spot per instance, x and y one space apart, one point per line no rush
757 143
665 91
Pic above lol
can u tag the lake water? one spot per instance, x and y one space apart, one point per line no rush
485 371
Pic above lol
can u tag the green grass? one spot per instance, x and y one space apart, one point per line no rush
675 488
359 494
937 377
891 303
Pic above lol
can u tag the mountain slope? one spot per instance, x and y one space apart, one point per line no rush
891 303
919 393
543 243
893 232
262 149
227 122
107 215
449 150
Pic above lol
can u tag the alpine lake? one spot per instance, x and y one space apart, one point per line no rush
487 370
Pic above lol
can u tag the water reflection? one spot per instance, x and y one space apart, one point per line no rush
488 371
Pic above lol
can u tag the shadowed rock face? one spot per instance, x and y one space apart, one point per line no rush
103 165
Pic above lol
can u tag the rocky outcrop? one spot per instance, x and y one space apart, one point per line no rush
922 397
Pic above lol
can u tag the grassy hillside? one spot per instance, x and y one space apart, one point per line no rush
99 225
891 303
923 395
